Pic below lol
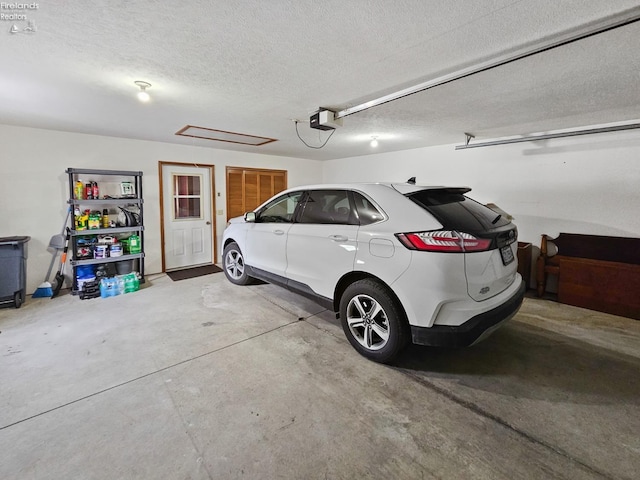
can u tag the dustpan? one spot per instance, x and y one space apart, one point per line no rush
57 242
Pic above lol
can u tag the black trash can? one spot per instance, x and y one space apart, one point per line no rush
13 269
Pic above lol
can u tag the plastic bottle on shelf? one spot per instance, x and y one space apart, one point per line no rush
79 190
82 221
76 217
95 191
105 218
134 244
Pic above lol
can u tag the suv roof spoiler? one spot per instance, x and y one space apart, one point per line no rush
407 188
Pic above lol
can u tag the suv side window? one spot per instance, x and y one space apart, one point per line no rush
280 210
328 206
367 213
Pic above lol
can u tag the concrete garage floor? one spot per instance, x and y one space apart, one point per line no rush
200 379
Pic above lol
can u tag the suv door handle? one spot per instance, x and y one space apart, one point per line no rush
338 238
278 232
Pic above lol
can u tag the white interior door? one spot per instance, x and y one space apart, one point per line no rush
188 232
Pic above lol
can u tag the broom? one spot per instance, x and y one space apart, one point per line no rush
63 259
45 290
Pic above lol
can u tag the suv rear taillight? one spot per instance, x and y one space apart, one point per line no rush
443 241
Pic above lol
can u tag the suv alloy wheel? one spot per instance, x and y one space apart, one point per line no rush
233 265
372 320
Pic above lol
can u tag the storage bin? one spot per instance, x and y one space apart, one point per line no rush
84 247
83 281
84 274
13 269
84 271
127 266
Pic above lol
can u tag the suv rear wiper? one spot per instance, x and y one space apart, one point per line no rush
496 219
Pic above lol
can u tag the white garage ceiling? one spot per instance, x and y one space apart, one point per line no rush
252 66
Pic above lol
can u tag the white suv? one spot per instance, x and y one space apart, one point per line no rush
394 261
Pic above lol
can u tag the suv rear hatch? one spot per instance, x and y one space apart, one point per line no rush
485 238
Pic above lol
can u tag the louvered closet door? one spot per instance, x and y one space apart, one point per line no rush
248 187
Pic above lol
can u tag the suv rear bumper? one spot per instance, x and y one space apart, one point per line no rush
473 329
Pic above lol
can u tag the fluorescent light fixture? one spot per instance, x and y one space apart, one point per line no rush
223 136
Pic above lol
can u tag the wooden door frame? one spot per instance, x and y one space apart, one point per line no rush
212 190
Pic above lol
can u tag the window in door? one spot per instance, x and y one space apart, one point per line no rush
187 197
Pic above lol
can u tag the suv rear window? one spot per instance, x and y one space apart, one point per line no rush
455 211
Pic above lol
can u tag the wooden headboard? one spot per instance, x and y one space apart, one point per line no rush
598 247
594 271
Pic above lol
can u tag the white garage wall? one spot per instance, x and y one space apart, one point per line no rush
34 191
588 184
585 184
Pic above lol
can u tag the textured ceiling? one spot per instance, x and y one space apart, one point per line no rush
252 66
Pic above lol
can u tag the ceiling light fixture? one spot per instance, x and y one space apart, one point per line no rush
374 142
143 96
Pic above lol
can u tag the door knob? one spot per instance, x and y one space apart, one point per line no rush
208 222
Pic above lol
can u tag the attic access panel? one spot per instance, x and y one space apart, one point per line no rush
223 136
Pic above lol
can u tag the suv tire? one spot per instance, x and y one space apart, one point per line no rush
233 265
373 321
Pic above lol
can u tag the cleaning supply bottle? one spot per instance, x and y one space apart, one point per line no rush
76 217
82 221
134 244
79 190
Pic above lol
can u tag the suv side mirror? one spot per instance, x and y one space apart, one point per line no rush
250 217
